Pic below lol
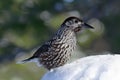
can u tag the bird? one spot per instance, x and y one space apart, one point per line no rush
57 51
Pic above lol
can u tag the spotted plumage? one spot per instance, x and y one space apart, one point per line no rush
57 51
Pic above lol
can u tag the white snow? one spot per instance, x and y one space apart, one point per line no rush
99 67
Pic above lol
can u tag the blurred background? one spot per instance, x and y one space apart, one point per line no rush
26 24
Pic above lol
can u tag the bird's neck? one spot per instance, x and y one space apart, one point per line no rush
66 35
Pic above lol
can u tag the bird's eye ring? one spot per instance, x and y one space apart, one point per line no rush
68 26
76 21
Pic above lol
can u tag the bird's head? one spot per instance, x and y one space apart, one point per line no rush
75 24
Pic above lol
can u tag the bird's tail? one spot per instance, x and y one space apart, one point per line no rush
26 60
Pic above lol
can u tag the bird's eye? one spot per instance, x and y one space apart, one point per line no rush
76 21
67 26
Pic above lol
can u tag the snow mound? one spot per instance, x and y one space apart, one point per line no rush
99 67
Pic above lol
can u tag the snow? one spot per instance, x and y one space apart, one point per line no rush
99 67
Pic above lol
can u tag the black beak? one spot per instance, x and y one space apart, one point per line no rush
85 25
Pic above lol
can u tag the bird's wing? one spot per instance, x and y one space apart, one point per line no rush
45 48
42 50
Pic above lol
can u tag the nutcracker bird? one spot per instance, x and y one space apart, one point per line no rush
57 51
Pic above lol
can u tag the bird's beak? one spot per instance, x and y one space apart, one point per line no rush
85 25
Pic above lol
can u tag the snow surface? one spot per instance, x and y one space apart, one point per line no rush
99 67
